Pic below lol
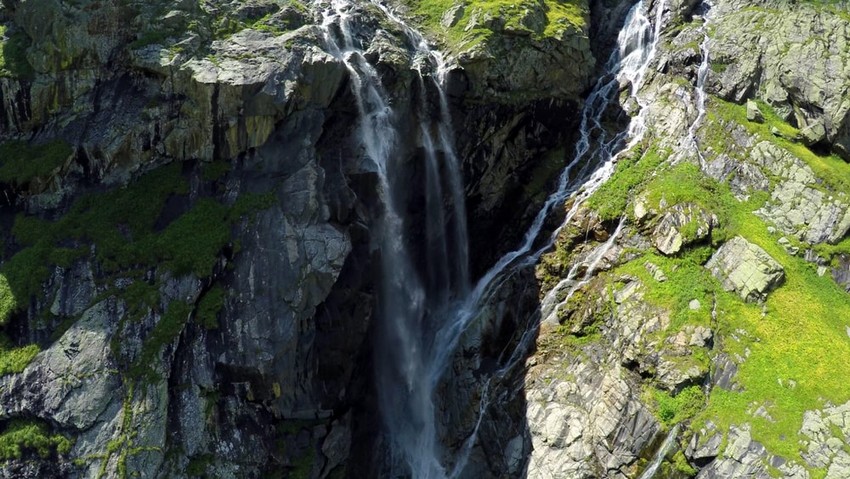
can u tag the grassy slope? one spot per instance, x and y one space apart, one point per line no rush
798 350
560 16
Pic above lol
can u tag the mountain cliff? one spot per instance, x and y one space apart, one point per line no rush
236 234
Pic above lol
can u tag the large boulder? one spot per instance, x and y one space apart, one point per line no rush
753 112
746 269
681 225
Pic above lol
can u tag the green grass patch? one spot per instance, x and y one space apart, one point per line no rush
685 183
21 162
207 225
796 351
20 437
215 170
164 333
674 409
15 359
687 279
13 59
122 225
209 307
8 303
554 17
633 170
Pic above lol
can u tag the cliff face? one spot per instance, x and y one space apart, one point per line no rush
190 259
716 305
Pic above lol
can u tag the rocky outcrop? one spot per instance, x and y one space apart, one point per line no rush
768 53
746 269
681 225
259 363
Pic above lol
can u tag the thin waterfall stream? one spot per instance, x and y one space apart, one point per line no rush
423 315
667 446
702 76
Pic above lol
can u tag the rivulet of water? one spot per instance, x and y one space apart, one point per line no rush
702 76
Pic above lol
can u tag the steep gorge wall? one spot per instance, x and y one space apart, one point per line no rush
188 219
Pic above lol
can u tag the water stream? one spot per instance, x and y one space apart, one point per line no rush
702 75
423 314
414 305
661 454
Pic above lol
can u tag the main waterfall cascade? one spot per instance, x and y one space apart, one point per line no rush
424 314
414 306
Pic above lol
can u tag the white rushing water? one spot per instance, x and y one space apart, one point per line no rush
595 156
412 303
702 75
423 314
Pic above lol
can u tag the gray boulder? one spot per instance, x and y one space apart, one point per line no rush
754 113
814 133
681 225
746 269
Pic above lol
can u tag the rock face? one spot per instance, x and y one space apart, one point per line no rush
765 49
754 113
746 269
227 331
748 166
681 225
189 259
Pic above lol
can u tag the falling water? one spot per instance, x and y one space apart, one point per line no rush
412 303
702 75
661 454
595 155
421 323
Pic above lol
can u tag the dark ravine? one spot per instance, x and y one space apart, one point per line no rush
195 282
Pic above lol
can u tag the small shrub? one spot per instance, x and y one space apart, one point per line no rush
21 436
21 162
208 308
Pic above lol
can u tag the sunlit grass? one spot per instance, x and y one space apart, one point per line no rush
796 352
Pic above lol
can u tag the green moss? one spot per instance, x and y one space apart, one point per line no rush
685 183
215 170
21 162
131 235
248 204
15 359
25 273
674 409
165 332
207 227
632 171
198 465
834 171
209 307
8 303
796 345
680 463
558 16
20 437
13 59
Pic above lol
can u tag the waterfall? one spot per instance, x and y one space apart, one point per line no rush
596 154
661 454
421 320
414 305
702 75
